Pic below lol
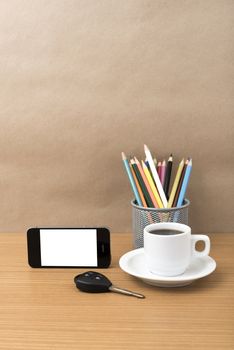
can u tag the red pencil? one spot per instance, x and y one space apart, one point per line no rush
159 169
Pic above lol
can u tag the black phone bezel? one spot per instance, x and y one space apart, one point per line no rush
103 247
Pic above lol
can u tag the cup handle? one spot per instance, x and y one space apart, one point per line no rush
205 251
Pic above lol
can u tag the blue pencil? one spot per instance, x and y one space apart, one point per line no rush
132 182
184 184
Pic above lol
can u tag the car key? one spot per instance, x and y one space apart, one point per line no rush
95 282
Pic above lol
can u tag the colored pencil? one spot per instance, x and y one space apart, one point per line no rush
155 176
131 179
152 185
142 184
158 165
174 204
159 170
175 184
138 187
147 164
155 204
185 183
163 172
166 184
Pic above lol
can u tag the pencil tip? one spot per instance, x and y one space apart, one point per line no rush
123 156
170 158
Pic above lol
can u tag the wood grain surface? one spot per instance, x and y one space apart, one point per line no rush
42 309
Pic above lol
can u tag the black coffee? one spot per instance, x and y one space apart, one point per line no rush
166 232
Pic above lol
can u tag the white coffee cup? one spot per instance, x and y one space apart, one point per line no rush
169 248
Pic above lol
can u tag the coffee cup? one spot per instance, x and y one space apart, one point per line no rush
169 248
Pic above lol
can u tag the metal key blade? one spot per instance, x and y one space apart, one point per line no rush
126 292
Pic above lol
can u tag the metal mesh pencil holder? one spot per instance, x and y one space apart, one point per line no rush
142 217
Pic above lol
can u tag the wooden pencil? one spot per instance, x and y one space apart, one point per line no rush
168 176
155 204
147 164
155 176
175 184
138 187
131 179
142 184
159 170
184 184
163 172
180 184
152 185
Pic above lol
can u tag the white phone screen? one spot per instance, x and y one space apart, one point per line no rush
68 247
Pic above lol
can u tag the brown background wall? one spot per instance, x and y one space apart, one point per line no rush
83 80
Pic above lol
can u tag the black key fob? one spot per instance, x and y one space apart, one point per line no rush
92 282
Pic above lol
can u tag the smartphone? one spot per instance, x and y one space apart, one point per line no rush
68 247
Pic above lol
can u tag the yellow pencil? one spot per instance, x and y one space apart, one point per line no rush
175 184
152 185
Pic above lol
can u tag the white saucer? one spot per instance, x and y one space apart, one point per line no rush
134 264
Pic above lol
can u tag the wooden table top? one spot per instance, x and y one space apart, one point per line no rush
40 309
